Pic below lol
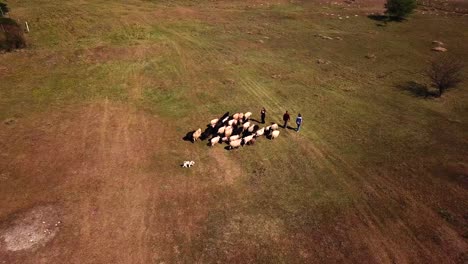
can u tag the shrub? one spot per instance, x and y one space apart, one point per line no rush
3 9
11 35
445 72
400 8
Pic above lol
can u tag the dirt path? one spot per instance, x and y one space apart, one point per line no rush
91 159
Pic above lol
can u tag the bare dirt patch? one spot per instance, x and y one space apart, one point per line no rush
30 229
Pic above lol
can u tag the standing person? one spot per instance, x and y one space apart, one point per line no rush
263 114
298 122
286 118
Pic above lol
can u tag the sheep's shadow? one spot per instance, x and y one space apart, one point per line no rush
224 116
189 136
207 133
227 148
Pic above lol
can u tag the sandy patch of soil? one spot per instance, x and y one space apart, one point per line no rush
30 229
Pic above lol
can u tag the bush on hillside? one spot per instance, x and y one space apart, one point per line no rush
11 35
400 9
445 72
3 9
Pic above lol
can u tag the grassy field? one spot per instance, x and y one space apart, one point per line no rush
106 90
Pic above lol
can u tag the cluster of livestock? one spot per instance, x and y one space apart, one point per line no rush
236 130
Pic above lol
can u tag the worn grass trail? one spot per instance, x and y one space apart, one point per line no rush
107 90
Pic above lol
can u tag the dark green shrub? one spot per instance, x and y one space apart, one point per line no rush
400 9
11 35
3 9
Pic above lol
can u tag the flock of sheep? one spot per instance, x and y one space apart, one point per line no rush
235 130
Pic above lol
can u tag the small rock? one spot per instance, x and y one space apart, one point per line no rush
3 69
261 41
9 121
439 49
438 43
322 61
371 56
229 81
338 38
276 76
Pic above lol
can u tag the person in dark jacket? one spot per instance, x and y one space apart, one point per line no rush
263 115
286 119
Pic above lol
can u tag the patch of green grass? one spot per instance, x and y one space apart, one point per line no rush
170 103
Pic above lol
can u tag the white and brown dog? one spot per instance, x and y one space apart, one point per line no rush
188 164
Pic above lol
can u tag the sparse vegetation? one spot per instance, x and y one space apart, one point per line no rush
400 9
3 9
445 72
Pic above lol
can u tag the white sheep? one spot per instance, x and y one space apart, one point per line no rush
235 144
260 132
248 138
246 126
236 116
241 116
247 115
214 140
231 122
214 122
251 128
225 139
221 130
274 127
233 138
228 131
196 135
275 134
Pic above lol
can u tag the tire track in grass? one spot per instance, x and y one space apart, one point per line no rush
211 49
263 93
354 177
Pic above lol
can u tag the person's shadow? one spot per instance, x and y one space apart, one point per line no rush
255 120
291 128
